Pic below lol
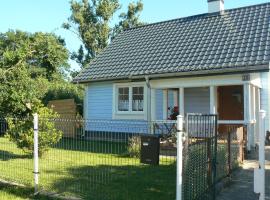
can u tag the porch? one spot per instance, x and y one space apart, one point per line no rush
235 98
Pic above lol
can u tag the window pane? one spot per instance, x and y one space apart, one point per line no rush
123 99
137 99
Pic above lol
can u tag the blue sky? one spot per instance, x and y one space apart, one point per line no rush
48 15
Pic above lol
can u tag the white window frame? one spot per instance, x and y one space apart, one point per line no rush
129 114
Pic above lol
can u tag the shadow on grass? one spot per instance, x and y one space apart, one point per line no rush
92 146
12 191
7 155
118 182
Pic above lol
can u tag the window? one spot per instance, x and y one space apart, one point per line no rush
130 99
137 99
123 99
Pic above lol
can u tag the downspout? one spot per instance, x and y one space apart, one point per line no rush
148 104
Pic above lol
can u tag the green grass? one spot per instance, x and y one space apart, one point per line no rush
8 192
92 170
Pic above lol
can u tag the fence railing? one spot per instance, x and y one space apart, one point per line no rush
100 160
199 157
231 148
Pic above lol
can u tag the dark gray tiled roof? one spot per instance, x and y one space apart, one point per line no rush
237 39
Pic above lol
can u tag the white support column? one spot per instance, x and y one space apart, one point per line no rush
179 159
213 101
253 114
165 104
153 104
181 101
257 117
259 173
247 113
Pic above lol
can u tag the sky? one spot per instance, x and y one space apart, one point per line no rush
48 15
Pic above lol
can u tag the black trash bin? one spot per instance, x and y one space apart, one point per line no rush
150 150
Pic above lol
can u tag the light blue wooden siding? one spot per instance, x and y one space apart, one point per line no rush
197 100
98 111
99 101
265 92
159 104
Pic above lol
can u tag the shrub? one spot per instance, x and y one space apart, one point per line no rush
21 132
134 146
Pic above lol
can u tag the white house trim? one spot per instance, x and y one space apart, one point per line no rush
247 113
181 101
205 81
140 115
85 103
213 99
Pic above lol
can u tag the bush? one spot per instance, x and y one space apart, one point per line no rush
21 132
134 146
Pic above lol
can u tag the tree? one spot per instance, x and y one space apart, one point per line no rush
18 91
130 19
90 21
28 63
43 54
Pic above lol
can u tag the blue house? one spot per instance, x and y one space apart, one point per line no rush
216 62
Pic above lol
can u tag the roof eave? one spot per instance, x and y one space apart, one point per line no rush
246 69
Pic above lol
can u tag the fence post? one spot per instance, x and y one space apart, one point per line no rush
36 152
179 166
259 174
229 152
210 162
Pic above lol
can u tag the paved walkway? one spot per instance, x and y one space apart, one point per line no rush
241 187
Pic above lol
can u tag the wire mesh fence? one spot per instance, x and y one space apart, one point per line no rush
231 142
94 159
99 159
16 165
200 157
211 153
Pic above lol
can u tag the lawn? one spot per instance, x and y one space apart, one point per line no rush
19 193
91 170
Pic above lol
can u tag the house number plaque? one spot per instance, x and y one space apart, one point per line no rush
246 77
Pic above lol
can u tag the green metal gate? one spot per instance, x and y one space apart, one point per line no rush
199 157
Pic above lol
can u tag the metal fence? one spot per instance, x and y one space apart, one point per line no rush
101 160
231 148
199 157
16 165
211 152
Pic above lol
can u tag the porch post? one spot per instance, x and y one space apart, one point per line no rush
181 102
257 117
253 114
165 104
213 102
247 112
